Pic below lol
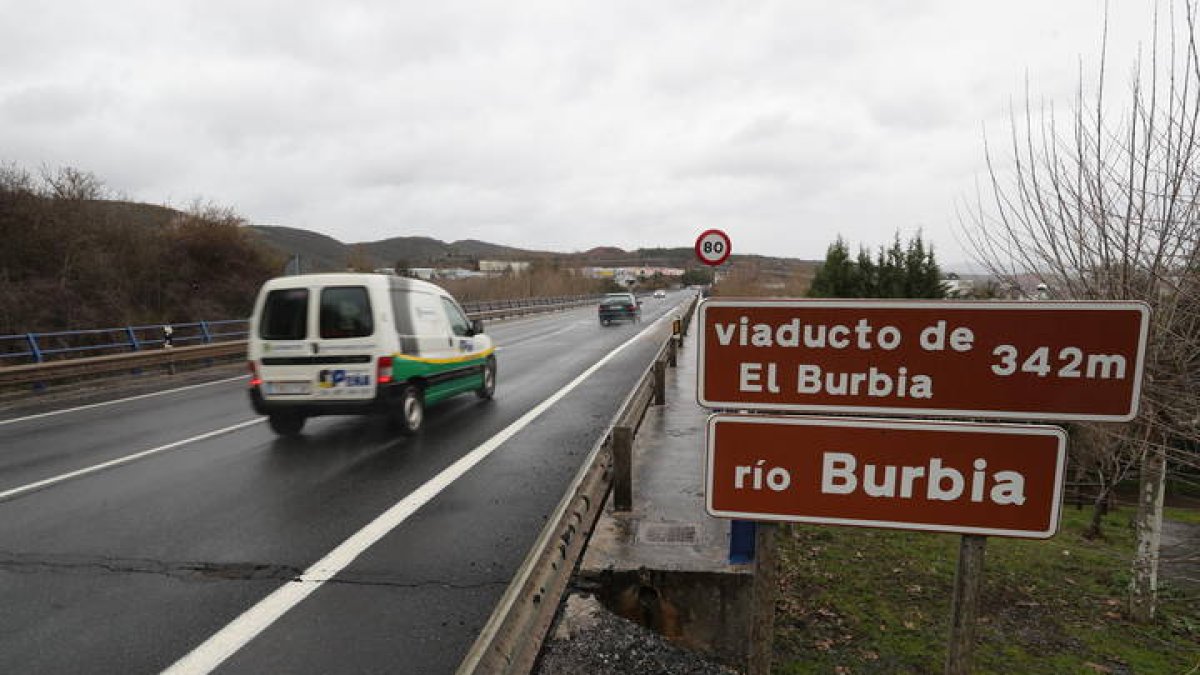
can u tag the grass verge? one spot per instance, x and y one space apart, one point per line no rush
876 601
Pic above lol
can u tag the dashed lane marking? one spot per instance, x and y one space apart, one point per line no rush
41 484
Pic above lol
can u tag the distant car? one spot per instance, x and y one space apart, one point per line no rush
619 307
660 293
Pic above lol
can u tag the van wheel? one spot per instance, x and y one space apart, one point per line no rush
286 424
410 411
488 390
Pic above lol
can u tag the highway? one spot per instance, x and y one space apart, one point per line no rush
176 530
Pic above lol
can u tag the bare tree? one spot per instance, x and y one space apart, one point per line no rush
1103 204
73 258
71 184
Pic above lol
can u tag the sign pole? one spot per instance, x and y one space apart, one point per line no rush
967 581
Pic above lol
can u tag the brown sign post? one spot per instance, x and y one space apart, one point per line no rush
1009 360
1069 361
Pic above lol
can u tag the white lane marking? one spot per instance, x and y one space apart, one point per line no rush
121 400
124 460
238 633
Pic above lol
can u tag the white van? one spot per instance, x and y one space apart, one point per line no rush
347 344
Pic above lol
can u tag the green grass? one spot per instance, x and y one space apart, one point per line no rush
1183 515
874 601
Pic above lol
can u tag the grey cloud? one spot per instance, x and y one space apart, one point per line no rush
547 123
46 105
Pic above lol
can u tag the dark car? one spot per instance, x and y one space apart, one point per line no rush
619 307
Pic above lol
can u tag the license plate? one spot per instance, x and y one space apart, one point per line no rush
288 388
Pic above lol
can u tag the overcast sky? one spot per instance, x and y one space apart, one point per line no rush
554 125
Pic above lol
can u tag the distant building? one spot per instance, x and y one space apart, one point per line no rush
457 273
956 287
502 266
622 274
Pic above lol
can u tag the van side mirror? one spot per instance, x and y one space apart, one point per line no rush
476 327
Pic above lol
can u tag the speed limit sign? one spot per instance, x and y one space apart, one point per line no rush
713 247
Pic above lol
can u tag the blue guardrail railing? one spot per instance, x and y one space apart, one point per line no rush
41 347
26 348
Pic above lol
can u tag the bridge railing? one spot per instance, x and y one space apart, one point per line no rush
519 303
37 358
496 309
32 348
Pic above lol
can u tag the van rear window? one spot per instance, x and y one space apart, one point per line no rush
346 312
284 315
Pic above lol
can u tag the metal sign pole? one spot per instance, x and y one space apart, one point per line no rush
967 581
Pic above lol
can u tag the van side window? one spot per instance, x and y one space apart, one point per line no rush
458 321
284 315
346 312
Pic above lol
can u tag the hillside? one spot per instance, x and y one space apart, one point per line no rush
72 257
79 261
320 253
317 252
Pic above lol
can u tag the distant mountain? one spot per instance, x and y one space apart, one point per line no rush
482 249
603 252
320 253
413 251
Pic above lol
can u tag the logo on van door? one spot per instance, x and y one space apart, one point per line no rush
331 379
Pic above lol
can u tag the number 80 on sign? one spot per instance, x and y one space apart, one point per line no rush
713 247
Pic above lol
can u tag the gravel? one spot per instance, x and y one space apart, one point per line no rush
590 640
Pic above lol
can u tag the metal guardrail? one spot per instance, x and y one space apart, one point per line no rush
35 373
139 349
76 344
50 346
505 308
480 306
510 642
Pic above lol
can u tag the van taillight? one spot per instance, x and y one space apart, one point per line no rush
383 374
255 380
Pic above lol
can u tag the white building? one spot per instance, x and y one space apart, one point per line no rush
624 273
956 287
502 266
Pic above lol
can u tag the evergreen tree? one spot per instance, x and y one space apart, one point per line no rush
837 277
891 271
868 271
898 271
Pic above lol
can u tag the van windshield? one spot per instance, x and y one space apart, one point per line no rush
284 315
345 312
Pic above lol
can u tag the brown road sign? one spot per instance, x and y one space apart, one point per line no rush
1013 360
967 478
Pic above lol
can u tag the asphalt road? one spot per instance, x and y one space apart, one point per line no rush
133 532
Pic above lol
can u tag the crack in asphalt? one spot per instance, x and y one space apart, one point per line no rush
203 571
26 563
